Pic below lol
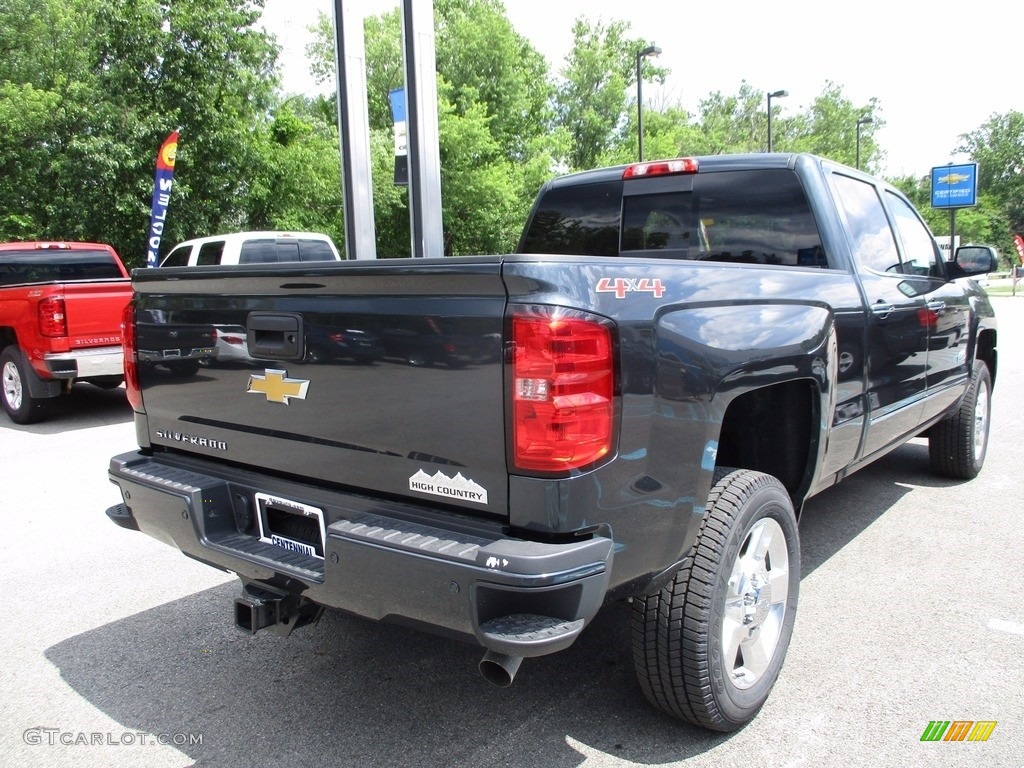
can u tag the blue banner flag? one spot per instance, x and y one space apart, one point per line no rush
162 183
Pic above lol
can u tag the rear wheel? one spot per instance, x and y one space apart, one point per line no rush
957 444
17 400
709 646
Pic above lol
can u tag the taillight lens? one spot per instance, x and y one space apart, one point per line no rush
53 319
563 387
131 365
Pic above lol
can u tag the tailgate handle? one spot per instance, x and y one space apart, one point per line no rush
274 335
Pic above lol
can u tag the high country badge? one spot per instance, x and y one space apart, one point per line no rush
440 484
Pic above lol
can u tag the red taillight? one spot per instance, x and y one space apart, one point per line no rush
53 320
563 386
236 340
131 365
661 168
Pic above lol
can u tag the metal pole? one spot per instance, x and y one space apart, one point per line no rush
651 50
860 122
354 133
639 110
424 146
773 95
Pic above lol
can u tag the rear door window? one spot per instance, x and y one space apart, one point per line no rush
210 253
871 237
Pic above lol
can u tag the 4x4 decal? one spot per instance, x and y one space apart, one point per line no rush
620 286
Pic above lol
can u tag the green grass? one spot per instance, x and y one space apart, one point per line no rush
1005 289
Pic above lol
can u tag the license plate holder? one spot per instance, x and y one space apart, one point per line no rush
291 525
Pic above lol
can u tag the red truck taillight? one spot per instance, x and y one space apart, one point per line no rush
53 319
563 387
131 365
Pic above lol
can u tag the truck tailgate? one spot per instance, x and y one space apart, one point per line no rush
385 376
94 311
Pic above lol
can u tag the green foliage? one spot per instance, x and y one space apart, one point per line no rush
997 147
97 85
829 128
591 99
90 88
735 123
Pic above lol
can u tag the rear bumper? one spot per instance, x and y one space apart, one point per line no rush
85 363
381 560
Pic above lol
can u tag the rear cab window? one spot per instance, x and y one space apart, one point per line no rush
61 266
757 216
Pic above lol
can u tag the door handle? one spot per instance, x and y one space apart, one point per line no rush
882 310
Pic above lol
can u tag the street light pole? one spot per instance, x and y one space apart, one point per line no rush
774 95
651 50
862 121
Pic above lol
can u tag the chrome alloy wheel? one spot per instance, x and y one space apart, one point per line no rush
755 604
981 417
12 386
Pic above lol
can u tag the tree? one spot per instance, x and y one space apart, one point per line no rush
298 185
997 146
591 100
734 123
829 128
98 85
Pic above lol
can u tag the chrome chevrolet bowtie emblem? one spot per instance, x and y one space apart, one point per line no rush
277 386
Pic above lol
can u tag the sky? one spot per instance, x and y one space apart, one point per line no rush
937 70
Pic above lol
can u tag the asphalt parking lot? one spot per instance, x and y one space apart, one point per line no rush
117 650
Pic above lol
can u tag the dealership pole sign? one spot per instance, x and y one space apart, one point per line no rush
955 186
401 137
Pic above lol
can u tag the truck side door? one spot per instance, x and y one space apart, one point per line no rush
947 309
896 343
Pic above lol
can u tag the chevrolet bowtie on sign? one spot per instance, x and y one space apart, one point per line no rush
277 386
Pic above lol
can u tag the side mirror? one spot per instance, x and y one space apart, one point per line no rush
972 260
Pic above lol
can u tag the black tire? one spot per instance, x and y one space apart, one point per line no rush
14 390
183 368
107 382
704 651
957 444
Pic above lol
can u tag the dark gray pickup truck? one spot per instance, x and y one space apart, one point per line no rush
635 405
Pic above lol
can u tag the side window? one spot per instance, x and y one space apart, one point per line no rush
920 253
262 251
210 253
178 257
874 246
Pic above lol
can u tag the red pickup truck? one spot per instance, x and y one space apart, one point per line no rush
60 322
